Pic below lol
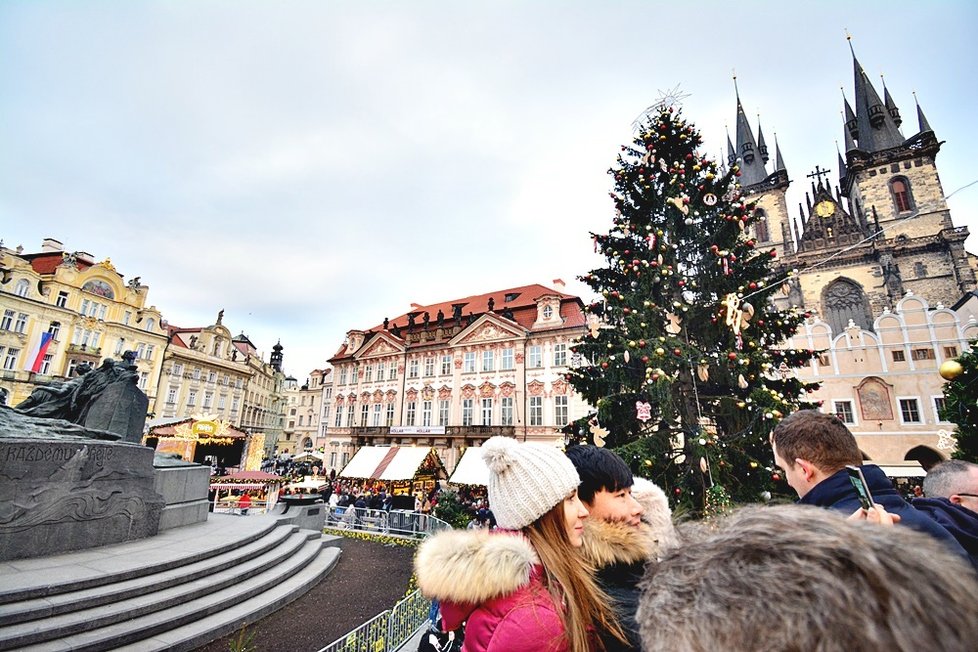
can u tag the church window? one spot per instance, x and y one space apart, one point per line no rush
919 270
902 198
760 226
844 301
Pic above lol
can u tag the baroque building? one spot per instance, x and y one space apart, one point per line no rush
304 425
452 374
61 309
876 261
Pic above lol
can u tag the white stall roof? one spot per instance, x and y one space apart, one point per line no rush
386 462
905 470
471 469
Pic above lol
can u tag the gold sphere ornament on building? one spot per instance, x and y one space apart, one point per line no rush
824 208
950 369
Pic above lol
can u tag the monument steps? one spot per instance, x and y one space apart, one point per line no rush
86 616
29 578
245 571
123 589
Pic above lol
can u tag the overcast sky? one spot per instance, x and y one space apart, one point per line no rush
312 167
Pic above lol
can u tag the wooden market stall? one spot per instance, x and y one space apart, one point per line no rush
404 470
263 488
200 441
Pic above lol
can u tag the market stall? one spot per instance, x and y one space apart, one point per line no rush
403 469
262 487
471 469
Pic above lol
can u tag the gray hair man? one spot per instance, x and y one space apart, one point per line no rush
951 499
767 579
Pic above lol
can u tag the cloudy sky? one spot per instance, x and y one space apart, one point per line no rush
314 166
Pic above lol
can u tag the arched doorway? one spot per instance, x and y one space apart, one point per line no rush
926 455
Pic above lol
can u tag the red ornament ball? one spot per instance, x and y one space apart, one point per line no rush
604 365
731 356
776 477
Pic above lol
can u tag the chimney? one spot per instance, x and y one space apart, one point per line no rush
559 284
85 257
50 244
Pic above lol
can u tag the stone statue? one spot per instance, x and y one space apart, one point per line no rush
492 304
440 319
220 316
425 319
386 322
103 399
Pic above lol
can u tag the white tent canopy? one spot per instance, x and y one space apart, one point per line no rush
903 470
386 462
308 456
471 469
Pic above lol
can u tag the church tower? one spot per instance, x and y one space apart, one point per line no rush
772 229
893 186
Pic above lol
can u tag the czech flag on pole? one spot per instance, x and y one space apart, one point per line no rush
36 358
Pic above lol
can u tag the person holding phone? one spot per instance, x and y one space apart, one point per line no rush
814 449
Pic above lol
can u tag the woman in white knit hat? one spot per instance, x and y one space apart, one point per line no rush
525 589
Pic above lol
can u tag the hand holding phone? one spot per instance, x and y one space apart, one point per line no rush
858 481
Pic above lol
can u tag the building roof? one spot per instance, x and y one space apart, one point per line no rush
47 261
518 304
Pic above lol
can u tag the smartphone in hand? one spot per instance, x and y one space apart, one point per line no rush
858 481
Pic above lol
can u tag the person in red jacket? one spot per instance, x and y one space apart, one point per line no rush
525 585
244 503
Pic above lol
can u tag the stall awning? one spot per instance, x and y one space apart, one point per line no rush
386 462
471 469
906 470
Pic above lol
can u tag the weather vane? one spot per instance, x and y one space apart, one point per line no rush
668 99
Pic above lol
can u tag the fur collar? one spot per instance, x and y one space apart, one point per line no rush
473 566
607 543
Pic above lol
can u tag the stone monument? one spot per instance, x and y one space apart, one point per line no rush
73 474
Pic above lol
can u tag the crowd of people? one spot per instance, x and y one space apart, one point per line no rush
585 556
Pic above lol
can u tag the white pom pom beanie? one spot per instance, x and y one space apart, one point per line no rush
526 480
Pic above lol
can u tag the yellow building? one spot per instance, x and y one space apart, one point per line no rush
85 311
210 374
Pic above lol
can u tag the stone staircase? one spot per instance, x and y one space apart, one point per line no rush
176 591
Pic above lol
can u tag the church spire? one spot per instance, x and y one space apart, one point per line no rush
891 106
852 126
921 118
751 168
731 152
876 128
778 161
843 170
761 145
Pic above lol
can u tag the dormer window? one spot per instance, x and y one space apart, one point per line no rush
548 312
747 152
876 116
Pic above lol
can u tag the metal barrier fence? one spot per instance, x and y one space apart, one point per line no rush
387 631
391 629
397 522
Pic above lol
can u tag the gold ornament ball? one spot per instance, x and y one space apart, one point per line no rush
950 369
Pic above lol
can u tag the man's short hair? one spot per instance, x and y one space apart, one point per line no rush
793 577
822 439
949 478
599 469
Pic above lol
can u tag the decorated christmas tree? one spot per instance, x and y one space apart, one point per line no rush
683 358
961 402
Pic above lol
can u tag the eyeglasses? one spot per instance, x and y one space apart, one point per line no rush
969 495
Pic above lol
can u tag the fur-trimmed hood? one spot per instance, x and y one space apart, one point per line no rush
472 566
610 543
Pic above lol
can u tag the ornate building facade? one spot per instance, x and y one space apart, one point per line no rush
304 424
452 374
60 309
876 260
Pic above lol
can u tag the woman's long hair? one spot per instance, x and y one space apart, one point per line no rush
570 582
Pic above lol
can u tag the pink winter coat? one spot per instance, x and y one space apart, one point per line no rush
492 583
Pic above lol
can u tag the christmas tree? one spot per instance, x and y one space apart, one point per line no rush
681 359
961 402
